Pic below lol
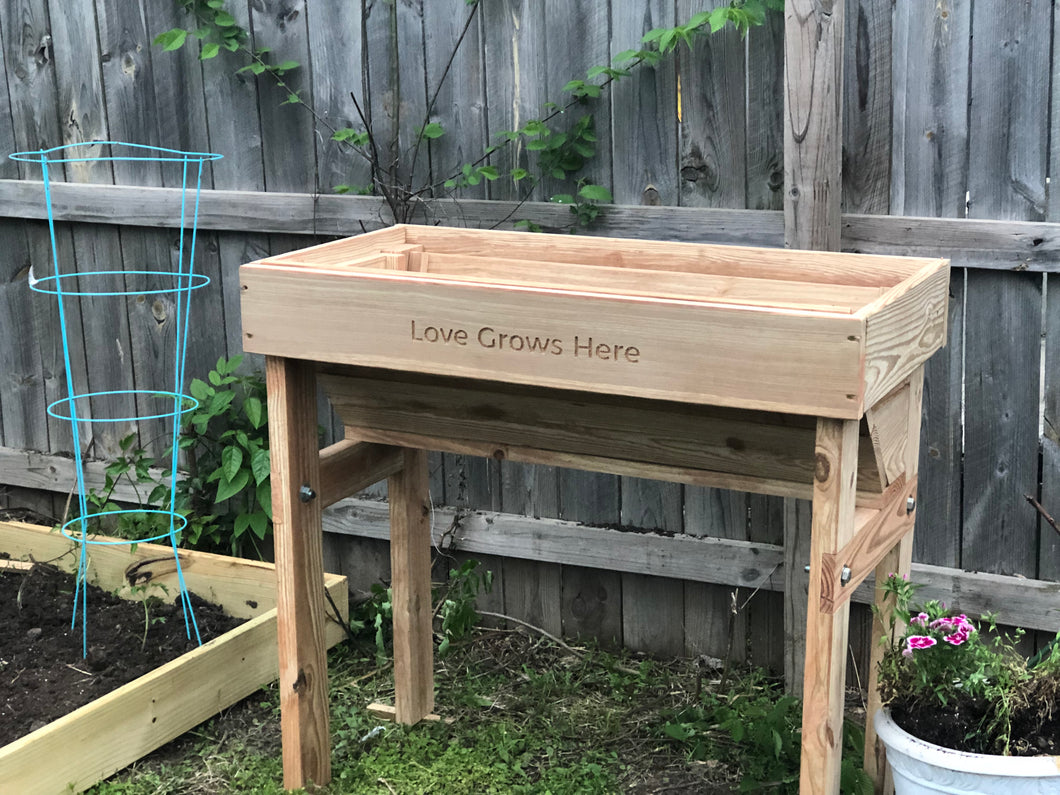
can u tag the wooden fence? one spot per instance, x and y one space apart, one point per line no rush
947 151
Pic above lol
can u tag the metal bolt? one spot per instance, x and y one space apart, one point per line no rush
306 493
910 504
807 568
844 575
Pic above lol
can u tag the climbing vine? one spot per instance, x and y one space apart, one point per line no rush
559 144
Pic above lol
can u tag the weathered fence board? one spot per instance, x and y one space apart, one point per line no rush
1002 333
1049 554
765 127
335 48
281 27
644 153
867 103
932 45
1009 119
713 118
456 82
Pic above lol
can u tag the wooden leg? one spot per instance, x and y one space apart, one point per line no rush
835 479
410 556
300 572
897 561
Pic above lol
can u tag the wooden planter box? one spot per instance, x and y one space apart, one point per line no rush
89 744
751 328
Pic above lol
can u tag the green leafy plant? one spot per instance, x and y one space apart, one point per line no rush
225 495
954 683
225 441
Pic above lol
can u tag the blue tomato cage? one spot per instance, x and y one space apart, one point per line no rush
167 402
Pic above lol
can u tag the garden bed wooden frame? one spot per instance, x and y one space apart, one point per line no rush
783 372
91 743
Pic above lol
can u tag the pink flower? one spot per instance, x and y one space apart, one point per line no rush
919 642
956 639
920 618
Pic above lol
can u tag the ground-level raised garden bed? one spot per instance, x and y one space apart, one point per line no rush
79 749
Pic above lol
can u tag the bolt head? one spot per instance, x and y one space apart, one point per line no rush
910 504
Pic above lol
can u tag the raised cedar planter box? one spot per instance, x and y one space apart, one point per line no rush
91 743
751 328
763 370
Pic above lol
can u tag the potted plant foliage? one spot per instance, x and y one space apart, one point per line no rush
965 712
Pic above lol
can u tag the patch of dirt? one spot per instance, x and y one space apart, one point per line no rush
43 675
1035 727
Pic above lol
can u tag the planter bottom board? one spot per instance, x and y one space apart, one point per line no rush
93 742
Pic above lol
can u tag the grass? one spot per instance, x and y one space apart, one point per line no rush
524 716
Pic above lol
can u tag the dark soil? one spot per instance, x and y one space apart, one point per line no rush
42 672
1035 728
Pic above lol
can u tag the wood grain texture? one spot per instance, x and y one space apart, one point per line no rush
533 592
765 115
652 505
411 104
456 82
513 33
877 533
771 447
134 115
23 394
796 525
30 80
643 112
932 46
907 333
1053 211
867 102
1001 422
713 117
337 61
763 615
826 633
410 571
347 467
580 42
103 330
231 99
286 132
1049 554
781 293
299 567
813 122
592 605
653 614
975 243
729 562
1008 139
897 561
806 363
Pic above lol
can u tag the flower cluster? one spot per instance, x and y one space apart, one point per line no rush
954 630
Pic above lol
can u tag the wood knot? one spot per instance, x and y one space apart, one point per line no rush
822 468
301 682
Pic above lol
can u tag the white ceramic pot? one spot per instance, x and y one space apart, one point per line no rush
920 767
